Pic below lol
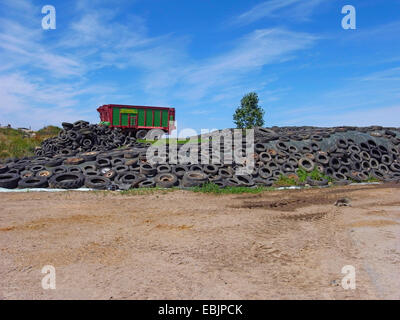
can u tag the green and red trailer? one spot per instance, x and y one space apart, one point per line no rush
139 119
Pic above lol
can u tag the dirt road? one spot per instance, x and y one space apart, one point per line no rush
185 245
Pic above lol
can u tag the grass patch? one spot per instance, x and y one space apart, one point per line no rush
315 175
16 143
372 179
214 189
285 181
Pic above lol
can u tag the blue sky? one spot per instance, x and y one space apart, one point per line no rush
201 57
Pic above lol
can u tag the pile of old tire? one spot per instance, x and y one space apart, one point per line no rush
83 136
340 155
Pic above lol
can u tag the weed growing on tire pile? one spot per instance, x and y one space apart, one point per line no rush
101 158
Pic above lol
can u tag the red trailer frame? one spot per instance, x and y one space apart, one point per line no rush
106 115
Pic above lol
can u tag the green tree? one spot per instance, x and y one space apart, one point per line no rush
249 114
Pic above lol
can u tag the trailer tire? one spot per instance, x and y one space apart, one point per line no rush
141 134
154 134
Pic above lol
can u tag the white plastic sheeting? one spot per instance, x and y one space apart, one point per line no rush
87 189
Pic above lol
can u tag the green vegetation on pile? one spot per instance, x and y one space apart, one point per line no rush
215 189
15 143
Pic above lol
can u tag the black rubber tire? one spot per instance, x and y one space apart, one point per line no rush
339 176
60 169
90 173
147 169
117 162
232 182
211 169
164 168
110 174
335 163
165 180
26 174
196 167
74 161
154 134
44 173
265 172
74 169
68 180
272 165
373 163
147 183
315 183
54 162
377 174
220 183
194 178
127 178
387 159
245 181
97 182
355 157
9 180
89 167
225 173
306 164
141 134
103 162
121 169
265 157
395 167
89 156
262 182
3 168
179 170
67 125
33 182
322 158
36 168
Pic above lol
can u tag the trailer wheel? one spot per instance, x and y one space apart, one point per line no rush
154 134
141 134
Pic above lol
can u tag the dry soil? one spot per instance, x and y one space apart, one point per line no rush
184 245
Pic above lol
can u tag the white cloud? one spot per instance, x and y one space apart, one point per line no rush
251 53
289 9
59 74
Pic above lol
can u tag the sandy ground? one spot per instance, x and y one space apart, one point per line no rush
184 245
